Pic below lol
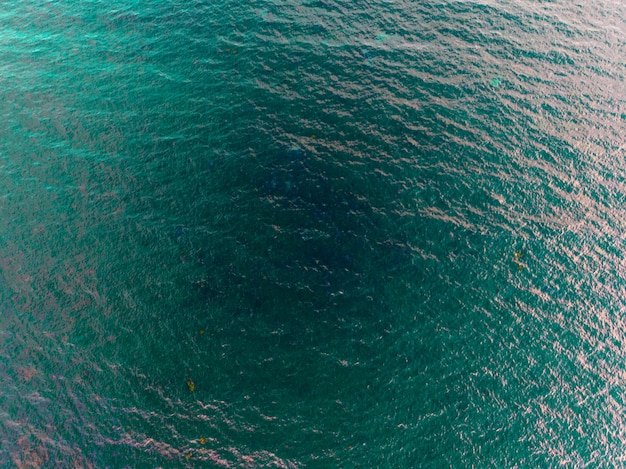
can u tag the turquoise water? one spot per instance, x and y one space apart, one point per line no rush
312 234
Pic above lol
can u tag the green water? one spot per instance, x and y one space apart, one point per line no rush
312 234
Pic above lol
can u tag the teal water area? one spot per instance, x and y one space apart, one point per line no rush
312 234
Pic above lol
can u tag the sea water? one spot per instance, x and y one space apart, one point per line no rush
298 233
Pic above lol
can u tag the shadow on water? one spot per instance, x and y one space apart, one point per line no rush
302 234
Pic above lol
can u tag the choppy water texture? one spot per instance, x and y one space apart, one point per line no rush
312 234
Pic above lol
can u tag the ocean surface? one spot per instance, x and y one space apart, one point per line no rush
312 234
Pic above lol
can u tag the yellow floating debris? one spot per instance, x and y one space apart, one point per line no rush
191 385
517 260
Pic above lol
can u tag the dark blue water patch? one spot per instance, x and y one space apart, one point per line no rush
305 232
181 232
